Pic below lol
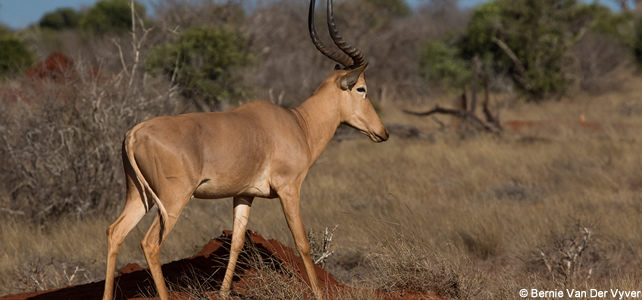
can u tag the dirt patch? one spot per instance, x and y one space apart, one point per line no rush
134 281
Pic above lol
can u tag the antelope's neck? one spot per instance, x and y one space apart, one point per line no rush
319 118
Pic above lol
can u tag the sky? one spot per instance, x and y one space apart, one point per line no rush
20 13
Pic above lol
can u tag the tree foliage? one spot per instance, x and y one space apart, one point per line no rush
62 18
110 16
441 62
203 61
637 42
15 56
530 40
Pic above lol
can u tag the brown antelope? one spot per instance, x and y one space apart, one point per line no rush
256 150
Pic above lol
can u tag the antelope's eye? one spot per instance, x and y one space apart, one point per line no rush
361 90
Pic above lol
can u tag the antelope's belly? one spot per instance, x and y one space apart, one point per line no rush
211 189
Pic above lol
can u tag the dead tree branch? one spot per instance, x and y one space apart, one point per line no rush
466 112
136 43
519 66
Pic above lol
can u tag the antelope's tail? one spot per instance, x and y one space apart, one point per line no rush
144 187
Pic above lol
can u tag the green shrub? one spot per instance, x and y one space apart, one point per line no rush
15 56
537 32
4 29
203 60
62 18
608 23
530 39
110 16
440 62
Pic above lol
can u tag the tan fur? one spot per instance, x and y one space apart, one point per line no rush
256 150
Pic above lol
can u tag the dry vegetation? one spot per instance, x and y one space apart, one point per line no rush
474 218
466 219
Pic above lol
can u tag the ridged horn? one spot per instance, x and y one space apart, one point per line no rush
340 57
357 57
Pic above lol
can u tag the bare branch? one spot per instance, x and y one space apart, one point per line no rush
490 118
438 110
136 44
465 115
122 57
473 85
521 77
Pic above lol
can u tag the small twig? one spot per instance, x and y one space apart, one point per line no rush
547 263
323 257
136 44
328 235
175 71
12 212
122 57
441 124
70 279
40 287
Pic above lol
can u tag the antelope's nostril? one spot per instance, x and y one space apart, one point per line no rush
382 137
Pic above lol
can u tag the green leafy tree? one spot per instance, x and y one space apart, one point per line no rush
637 42
606 22
530 39
15 56
203 60
110 16
62 18
440 62
527 39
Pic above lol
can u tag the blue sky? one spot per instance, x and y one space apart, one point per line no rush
20 13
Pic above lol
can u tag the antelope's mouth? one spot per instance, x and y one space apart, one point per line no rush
376 137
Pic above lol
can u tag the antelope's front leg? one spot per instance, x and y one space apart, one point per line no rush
291 208
241 216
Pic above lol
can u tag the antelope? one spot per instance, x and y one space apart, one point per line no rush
258 149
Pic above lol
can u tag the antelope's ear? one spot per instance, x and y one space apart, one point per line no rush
347 81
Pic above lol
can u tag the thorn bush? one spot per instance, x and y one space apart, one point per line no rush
203 60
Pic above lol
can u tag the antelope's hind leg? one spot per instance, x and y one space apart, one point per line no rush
130 216
174 202
241 217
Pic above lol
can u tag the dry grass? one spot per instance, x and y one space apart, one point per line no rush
464 218
477 218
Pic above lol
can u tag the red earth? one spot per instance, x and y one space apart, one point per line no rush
209 265
56 66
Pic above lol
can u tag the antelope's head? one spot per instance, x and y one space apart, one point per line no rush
349 80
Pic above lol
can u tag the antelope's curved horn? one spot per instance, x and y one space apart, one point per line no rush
340 57
357 57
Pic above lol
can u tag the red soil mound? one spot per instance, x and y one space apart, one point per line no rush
208 265
56 66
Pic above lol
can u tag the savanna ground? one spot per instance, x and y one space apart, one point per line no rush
479 217
466 218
